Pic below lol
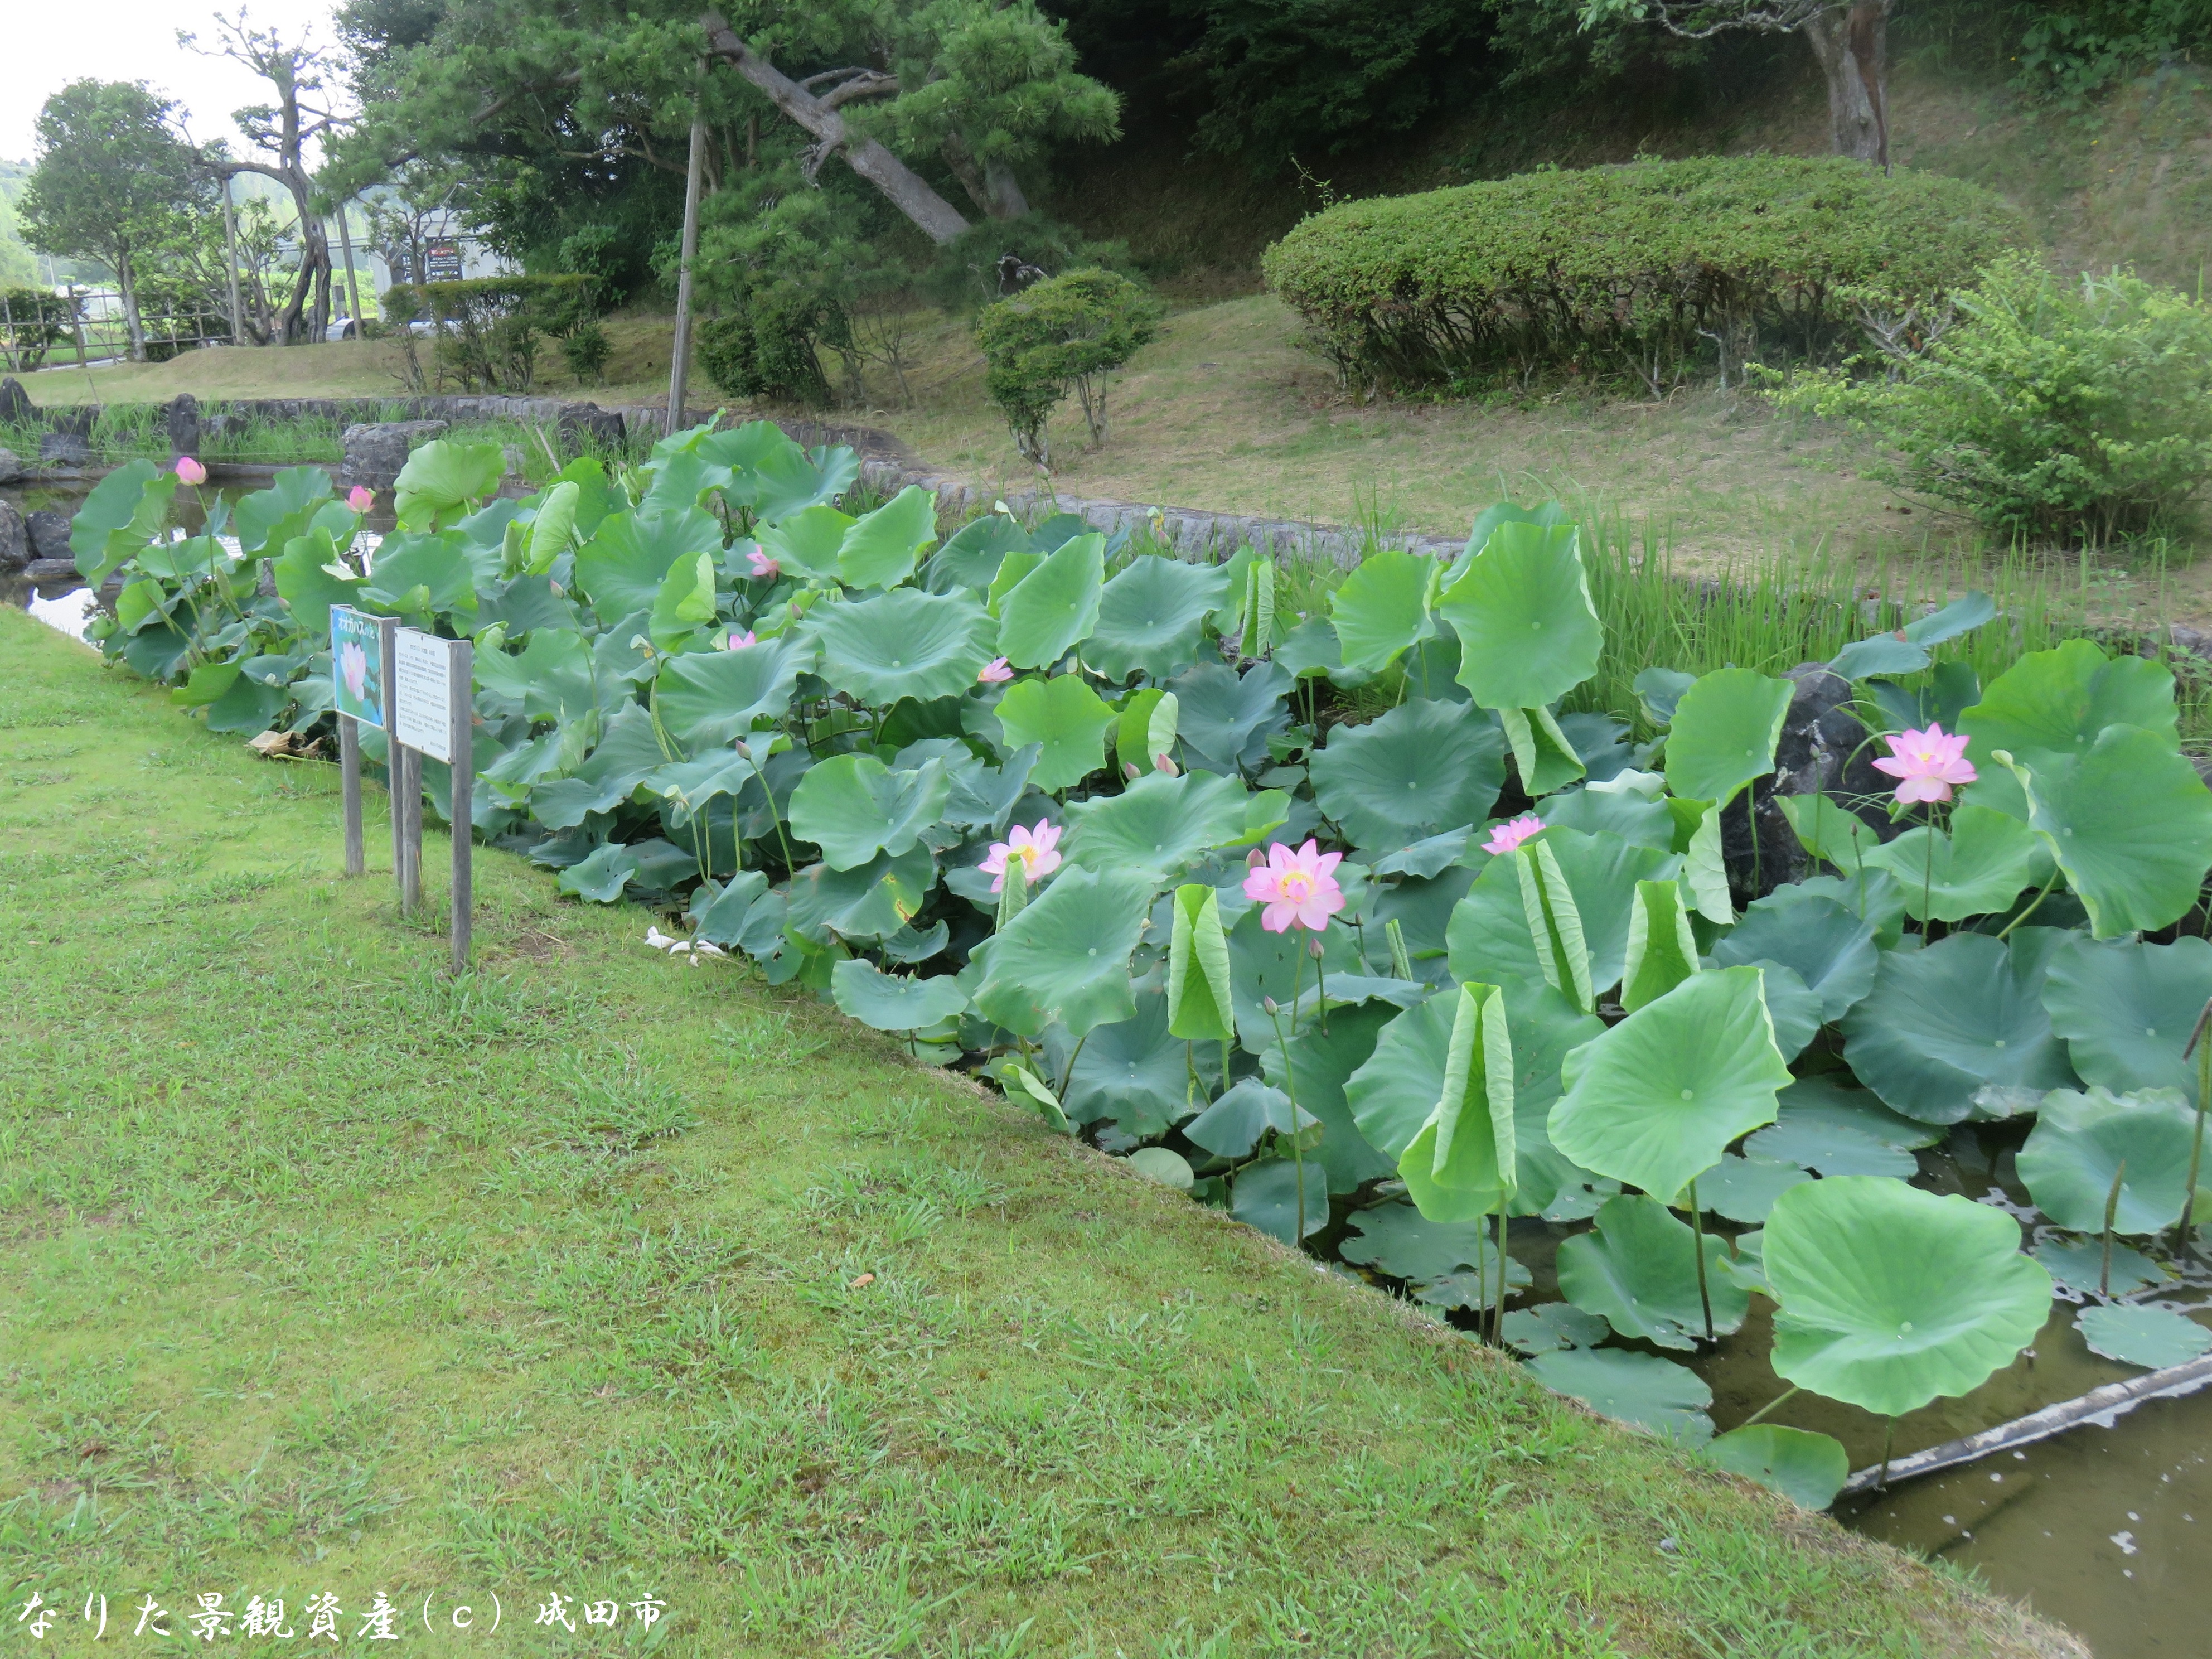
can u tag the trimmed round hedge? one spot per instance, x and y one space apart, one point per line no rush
1648 272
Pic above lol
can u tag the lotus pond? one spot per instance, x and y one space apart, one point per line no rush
1806 1055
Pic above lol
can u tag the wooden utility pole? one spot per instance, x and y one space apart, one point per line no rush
680 365
230 250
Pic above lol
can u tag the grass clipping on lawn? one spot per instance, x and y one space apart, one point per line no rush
596 1273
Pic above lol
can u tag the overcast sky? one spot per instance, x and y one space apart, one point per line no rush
48 45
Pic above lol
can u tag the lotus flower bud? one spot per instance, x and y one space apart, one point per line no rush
1254 858
1270 1005
1129 770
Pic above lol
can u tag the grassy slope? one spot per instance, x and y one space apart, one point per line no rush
324 1273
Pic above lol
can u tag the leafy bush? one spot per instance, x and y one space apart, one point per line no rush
585 349
1069 331
1095 821
488 326
2054 409
1641 273
767 347
2072 50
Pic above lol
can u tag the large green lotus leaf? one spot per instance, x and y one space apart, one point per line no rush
880 548
1381 609
1723 733
1423 767
1639 1269
891 1003
1552 1327
1066 719
1269 1196
708 697
1158 826
1052 610
2131 823
1137 1073
1226 719
806 543
1891 1296
443 480
971 556
1232 1125
2079 1143
265 520
905 643
1642 819
420 575
1200 1004
600 878
1657 1099
550 679
305 581
2056 702
1151 616
1943 1022
2126 1010
686 599
1833 950
1322 1062
1488 936
872 901
1668 1399
2154 1337
1832 1148
1065 955
853 806
1744 1188
620 569
1263 964
1462 1161
1398 1240
1807 1468
1976 870
1825 1102
1529 634
1394 1090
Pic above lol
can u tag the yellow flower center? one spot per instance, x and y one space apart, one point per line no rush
1297 886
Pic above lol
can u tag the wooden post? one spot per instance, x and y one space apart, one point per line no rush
387 633
230 255
461 788
356 858
353 286
411 815
679 367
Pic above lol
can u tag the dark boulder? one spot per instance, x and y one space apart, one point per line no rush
184 424
15 539
64 449
16 404
48 535
375 451
1823 750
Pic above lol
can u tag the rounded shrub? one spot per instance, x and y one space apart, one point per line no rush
1643 273
1066 333
2051 408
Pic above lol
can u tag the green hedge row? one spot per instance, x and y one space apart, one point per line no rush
1647 272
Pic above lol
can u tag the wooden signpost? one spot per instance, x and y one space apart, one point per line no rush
416 688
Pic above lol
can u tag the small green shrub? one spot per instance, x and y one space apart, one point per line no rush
585 349
488 326
767 346
31 323
1641 274
2052 409
1067 333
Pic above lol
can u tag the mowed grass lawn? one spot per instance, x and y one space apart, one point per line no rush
594 1275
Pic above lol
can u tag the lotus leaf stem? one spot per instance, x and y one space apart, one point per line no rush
2203 1052
2042 893
1697 1243
1888 1440
1778 1400
1074 1054
2112 1209
1291 1078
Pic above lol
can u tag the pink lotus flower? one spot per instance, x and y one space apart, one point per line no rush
994 672
765 568
189 471
1507 836
1033 847
353 665
360 498
1929 763
737 639
1298 888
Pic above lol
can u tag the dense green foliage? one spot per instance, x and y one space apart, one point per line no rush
2076 48
825 1354
1053 807
1067 333
1640 273
33 322
2053 409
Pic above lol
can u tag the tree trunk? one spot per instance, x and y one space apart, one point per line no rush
992 188
1851 44
126 287
904 188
